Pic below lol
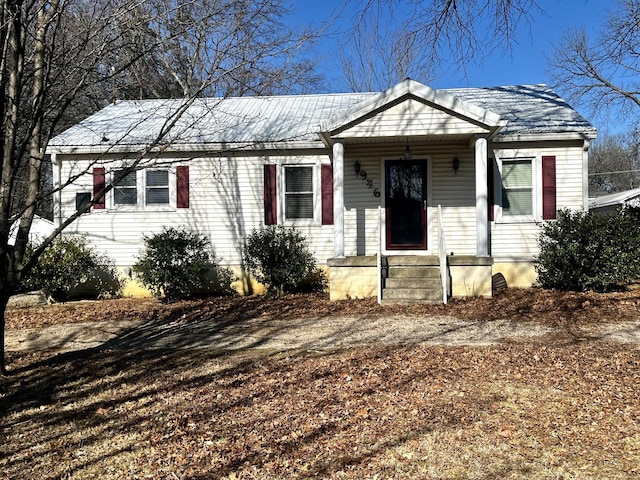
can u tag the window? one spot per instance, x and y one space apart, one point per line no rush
82 200
157 187
298 192
153 189
126 188
517 188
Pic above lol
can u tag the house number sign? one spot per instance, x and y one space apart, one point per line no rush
363 176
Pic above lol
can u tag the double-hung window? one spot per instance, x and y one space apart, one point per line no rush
142 188
518 188
157 187
125 190
528 186
298 192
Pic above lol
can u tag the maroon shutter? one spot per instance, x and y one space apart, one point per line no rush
98 188
182 186
548 187
491 188
270 198
327 195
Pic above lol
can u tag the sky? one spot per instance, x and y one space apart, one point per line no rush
524 64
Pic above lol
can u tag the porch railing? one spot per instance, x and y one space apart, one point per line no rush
442 255
379 254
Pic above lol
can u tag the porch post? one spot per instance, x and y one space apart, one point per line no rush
338 199
482 198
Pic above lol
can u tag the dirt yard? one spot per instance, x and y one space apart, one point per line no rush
312 322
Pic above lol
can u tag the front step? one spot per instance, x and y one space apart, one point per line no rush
410 283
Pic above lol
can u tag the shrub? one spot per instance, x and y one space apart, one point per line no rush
280 259
70 267
584 251
177 264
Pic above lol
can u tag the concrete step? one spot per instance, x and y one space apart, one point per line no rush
412 261
414 272
411 282
411 295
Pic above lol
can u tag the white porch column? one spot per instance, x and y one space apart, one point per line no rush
338 199
482 199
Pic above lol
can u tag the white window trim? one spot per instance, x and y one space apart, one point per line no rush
141 192
536 187
317 195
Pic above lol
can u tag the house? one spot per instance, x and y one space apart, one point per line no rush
409 194
611 202
40 229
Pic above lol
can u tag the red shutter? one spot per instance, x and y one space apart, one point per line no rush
327 195
491 188
182 186
549 187
98 188
270 198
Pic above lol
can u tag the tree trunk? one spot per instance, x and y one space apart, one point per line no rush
4 299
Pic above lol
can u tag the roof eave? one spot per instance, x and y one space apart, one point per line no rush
544 136
186 147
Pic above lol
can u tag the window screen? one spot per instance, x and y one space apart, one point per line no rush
125 188
298 192
157 187
517 187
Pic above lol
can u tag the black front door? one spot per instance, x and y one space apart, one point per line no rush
406 204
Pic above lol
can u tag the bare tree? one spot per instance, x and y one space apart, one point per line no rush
63 59
423 39
601 72
614 163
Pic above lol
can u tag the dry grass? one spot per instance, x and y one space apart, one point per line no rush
516 410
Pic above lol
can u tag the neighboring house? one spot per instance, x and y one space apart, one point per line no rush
357 173
613 201
40 229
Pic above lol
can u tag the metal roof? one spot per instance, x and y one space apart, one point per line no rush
527 109
618 198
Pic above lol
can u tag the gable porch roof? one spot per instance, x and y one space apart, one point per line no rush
421 100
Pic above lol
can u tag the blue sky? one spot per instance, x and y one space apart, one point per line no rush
524 64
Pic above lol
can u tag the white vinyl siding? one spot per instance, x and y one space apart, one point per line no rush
412 118
519 240
226 202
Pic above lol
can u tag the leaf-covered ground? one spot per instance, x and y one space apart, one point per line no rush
552 308
545 408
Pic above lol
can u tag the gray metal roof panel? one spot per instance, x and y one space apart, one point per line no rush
527 109
248 120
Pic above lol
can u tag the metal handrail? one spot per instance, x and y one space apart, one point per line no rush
442 255
379 254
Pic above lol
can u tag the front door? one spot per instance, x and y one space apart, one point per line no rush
406 204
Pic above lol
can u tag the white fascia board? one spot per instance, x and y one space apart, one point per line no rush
536 137
195 147
421 92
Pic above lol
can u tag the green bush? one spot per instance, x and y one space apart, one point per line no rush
70 267
177 264
280 259
583 251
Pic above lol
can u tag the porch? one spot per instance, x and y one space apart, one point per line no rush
409 278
